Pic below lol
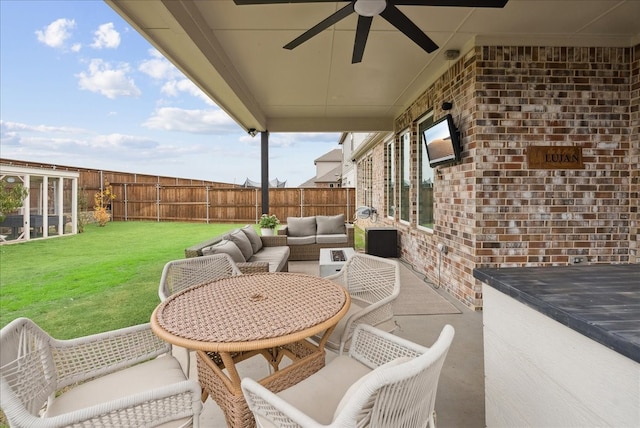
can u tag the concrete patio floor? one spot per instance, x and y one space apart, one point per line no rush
460 398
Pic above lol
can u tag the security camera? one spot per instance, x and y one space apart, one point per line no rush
253 132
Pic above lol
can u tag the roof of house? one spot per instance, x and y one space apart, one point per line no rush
334 155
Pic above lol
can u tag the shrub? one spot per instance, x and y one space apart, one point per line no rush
102 202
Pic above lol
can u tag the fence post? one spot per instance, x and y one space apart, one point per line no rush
301 202
258 214
126 204
208 203
158 202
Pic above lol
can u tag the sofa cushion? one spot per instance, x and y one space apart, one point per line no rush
301 240
331 239
254 238
277 257
226 247
301 226
330 224
239 238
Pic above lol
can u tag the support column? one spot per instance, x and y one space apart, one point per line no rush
264 156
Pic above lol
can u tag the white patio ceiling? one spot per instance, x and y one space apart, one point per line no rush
235 53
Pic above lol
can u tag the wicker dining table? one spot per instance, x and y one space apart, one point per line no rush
232 319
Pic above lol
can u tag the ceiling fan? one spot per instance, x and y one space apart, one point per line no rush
367 9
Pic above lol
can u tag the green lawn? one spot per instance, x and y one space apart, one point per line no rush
99 280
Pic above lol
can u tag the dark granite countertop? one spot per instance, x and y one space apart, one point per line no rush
600 301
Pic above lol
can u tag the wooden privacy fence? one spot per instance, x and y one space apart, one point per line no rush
162 198
209 204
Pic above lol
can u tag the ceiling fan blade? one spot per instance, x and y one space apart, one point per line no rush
452 3
323 25
244 2
399 20
362 33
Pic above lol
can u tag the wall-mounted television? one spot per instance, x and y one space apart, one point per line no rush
442 141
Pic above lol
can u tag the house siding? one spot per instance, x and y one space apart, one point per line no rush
492 210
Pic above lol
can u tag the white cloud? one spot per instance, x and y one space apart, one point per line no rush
175 87
158 67
175 84
46 143
122 141
111 82
55 34
106 37
22 127
192 121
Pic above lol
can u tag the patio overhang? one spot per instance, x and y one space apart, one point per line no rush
235 53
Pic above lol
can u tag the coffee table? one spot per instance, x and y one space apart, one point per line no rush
332 259
233 319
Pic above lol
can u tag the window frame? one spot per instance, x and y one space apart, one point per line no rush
404 139
421 157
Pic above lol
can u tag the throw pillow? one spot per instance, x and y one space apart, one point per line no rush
301 226
254 238
239 238
330 224
226 247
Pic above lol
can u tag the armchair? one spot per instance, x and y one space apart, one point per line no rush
373 283
385 381
106 379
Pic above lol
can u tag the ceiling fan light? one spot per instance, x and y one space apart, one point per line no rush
369 7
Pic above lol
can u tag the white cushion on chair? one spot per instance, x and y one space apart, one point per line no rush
319 395
165 370
357 384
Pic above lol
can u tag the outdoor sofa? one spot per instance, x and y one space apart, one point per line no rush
307 235
250 251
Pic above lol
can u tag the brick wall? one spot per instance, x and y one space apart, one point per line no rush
492 209
634 245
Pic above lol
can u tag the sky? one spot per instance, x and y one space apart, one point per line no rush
80 87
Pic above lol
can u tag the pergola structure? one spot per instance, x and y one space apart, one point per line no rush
50 209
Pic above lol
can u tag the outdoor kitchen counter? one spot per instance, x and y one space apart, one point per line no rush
565 338
601 302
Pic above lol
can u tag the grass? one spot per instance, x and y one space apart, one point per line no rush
103 279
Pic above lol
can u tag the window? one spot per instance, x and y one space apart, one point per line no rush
405 177
391 179
424 177
365 181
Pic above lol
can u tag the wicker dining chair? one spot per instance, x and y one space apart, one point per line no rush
384 382
110 379
373 283
179 275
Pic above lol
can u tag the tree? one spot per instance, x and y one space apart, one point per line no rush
11 198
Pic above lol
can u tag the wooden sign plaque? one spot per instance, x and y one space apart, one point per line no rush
554 157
